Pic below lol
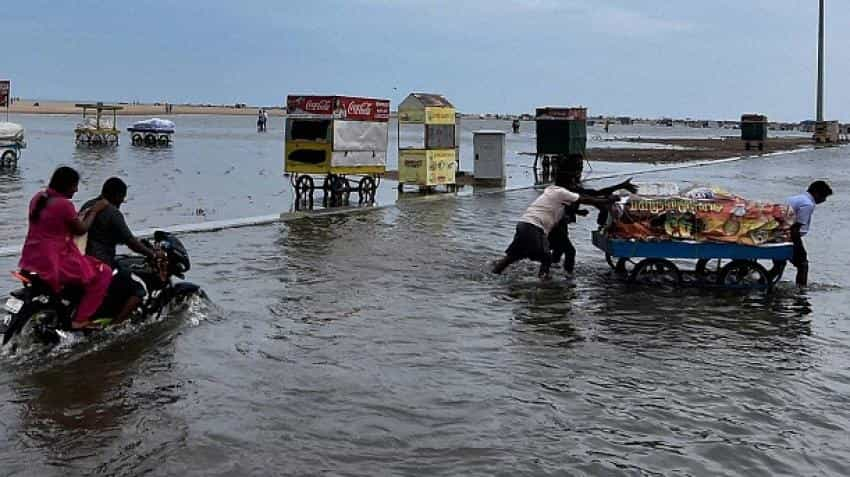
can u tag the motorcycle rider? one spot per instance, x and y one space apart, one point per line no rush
108 230
49 250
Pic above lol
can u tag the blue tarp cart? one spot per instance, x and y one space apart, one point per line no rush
725 264
151 132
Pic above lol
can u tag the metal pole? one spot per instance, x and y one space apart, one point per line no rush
820 64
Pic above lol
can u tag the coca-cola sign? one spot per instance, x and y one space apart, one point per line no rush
359 108
352 109
363 109
319 105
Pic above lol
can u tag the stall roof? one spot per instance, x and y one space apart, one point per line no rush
101 106
431 100
560 112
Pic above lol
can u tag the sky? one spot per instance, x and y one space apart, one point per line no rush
644 58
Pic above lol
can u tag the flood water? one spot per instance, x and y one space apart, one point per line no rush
377 343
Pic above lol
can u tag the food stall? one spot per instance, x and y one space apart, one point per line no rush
427 145
152 132
97 130
726 234
336 137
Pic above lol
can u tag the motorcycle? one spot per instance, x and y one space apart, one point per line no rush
51 314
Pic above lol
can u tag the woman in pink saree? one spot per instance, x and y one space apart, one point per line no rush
50 251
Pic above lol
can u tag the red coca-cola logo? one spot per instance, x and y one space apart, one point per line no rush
317 105
359 109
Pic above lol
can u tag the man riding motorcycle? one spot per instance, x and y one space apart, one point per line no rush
108 230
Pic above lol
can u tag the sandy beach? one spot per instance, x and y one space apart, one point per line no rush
29 106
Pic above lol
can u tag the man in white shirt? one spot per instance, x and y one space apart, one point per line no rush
530 240
804 206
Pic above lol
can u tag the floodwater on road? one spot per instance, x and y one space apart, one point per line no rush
379 343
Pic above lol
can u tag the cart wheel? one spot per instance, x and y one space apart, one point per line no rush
776 271
707 273
137 139
620 265
338 185
96 139
163 140
304 185
367 189
744 274
9 157
150 140
656 271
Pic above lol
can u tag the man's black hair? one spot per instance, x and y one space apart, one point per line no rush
820 188
114 187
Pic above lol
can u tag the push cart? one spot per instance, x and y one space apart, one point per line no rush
152 132
729 265
97 130
339 140
11 143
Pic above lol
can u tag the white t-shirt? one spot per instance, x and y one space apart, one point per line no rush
548 209
803 206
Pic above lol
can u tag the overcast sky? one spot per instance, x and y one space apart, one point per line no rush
682 58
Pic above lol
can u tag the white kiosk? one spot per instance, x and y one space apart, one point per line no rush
489 149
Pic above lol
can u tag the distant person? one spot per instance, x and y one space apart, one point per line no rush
265 120
515 126
50 251
803 206
109 230
531 237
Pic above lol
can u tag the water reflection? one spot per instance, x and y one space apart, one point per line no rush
75 409
697 313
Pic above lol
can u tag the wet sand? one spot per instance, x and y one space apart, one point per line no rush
694 150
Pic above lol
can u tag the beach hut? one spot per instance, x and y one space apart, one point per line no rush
336 137
427 146
97 130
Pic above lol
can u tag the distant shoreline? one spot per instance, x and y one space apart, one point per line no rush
28 106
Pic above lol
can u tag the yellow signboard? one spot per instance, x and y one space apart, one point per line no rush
307 157
412 166
442 167
439 115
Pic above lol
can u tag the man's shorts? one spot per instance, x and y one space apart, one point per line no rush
529 242
121 288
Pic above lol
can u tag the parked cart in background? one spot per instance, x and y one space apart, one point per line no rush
151 132
11 143
427 142
342 140
560 132
97 130
754 131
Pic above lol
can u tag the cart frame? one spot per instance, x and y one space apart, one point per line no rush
99 135
741 270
